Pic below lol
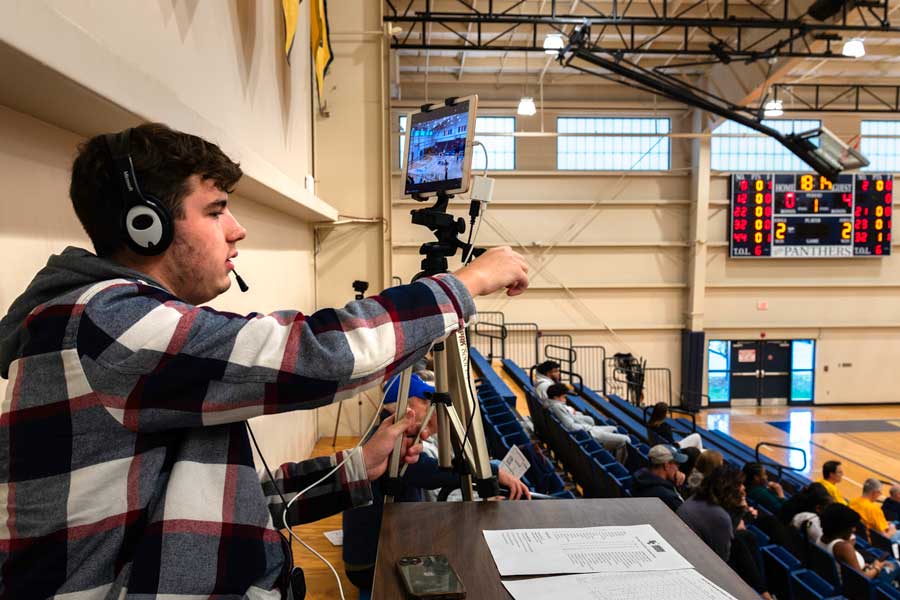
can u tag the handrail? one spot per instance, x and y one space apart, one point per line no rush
689 393
500 336
578 389
778 465
572 355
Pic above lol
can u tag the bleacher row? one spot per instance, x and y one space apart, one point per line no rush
812 575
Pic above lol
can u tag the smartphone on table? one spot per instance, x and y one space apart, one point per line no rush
430 577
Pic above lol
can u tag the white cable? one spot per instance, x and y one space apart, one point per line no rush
349 454
483 210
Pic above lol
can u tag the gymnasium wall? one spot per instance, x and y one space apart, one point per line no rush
611 254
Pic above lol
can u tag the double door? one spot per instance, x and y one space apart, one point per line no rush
761 370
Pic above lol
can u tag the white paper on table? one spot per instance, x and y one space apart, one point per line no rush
686 584
559 551
336 537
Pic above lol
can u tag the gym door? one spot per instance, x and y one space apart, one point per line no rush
761 370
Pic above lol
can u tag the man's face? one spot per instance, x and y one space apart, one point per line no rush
671 470
559 399
838 474
554 375
199 261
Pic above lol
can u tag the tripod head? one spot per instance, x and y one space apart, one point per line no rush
446 229
360 288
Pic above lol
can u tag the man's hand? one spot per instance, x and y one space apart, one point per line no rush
517 489
494 270
379 447
679 478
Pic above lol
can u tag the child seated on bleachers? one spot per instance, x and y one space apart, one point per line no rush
573 420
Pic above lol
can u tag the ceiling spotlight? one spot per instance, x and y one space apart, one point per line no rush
854 48
773 108
553 43
526 106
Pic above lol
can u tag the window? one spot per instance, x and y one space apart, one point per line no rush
803 365
596 152
760 153
719 359
883 152
501 149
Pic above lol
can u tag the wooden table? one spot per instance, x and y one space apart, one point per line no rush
454 529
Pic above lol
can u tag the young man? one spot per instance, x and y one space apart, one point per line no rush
573 420
833 474
547 374
126 468
661 479
870 511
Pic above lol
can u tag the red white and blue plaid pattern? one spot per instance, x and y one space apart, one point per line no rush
125 466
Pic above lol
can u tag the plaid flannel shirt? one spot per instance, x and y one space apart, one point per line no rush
125 466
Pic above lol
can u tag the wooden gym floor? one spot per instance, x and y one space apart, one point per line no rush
866 439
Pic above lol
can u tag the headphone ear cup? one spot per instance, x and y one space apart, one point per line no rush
148 227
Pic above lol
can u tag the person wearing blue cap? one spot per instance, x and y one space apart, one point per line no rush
362 525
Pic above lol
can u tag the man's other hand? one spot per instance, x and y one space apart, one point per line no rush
496 269
379 447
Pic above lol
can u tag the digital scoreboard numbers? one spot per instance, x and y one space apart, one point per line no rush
802 215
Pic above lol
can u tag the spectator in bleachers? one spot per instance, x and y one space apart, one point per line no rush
661 479
361 525
662 431
715 513
802 510
832 474
573 420
870 511
706 463
768 494
547 375
891 505
688 466
838 524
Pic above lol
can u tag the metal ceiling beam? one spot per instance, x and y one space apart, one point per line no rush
783 35
856 98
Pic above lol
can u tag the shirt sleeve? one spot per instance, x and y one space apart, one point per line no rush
348 487
158 363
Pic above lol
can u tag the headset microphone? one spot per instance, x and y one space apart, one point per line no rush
244 287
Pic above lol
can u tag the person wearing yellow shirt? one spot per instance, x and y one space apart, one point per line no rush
870 510
832 474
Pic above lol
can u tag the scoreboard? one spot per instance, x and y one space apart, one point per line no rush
802 215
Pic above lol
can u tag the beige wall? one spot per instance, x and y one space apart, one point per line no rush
351 172
621 247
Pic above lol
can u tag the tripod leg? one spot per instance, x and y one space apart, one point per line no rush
402 403
467 414
337 423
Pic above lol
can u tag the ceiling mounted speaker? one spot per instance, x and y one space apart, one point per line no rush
822 10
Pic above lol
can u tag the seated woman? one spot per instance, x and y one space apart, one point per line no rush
706 464
838 524
715 513
661 432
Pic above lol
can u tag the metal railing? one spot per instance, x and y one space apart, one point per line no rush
590 361
564 355
489 335
395 280
779 466
521 343
657 385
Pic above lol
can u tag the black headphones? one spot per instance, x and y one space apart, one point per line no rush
145 224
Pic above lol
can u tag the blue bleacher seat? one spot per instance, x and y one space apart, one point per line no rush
806 585
886 592
855 584
822 562
778 564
